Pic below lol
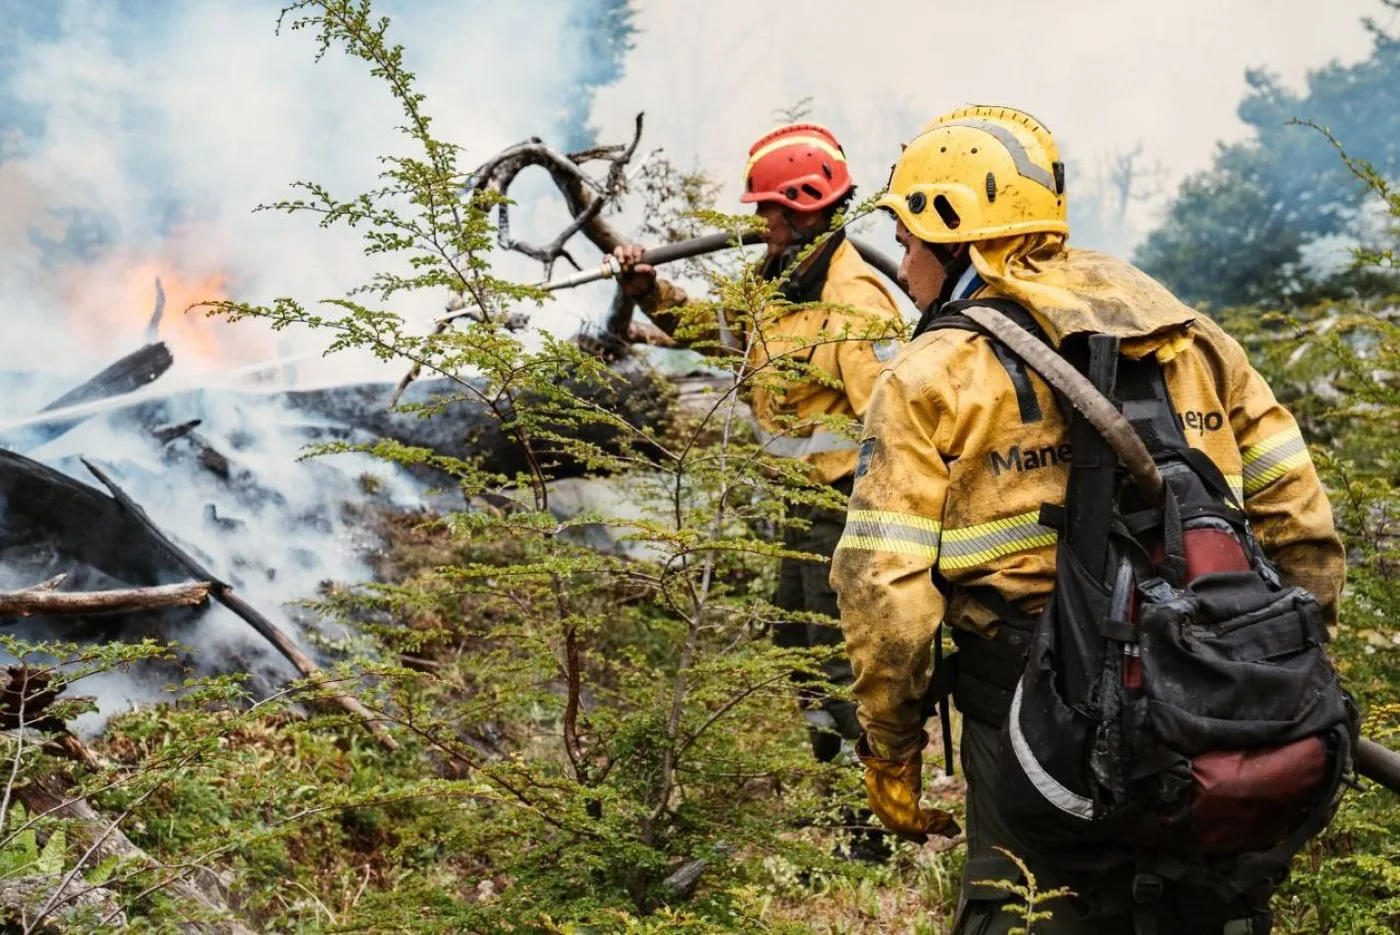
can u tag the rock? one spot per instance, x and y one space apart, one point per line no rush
80 908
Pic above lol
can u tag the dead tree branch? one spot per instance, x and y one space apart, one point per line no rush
585 196
42 599
26 695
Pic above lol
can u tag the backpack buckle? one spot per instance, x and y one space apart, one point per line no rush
1174 783
1157 591
1147 888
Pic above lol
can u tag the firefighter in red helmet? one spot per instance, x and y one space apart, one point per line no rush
797 178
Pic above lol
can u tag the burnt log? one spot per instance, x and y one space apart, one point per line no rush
50 520
138 369
468 429
26 697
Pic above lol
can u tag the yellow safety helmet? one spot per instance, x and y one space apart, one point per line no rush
977 173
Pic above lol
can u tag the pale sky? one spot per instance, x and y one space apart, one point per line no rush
1105 75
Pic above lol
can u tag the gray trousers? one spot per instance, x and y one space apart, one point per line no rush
806 587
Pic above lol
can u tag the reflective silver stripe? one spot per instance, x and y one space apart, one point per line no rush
868 524
1057 795
1262 467
818 442
1019 156
975 545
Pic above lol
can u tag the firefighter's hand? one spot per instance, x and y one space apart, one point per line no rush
893 789
637 279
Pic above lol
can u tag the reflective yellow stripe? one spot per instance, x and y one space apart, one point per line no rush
1272 458
816 141
1255 452
970 546
1236 483
1257 482
900 533
896 519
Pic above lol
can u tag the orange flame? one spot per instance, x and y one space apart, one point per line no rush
111 304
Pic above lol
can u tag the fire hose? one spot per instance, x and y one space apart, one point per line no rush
1379 764
699 246
656 256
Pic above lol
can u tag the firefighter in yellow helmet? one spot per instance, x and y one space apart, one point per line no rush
816 353
963 445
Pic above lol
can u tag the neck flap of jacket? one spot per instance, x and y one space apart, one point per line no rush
1071 291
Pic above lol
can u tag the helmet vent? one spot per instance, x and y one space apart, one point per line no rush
791 194
946 212
826 167
991 187
811 189
1059 177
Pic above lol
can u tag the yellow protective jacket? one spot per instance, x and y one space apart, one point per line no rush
816 356
951 477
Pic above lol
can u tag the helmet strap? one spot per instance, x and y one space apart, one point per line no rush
801 238
954 265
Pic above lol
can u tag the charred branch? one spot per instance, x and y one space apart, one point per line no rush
26 695
168 433
134 371
131 373
224 594
153 329
585 197
42 601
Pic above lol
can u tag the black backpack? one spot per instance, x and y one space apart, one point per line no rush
1176 710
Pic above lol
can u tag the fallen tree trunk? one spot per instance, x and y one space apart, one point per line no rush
223 593
101 840
139 368
466 429
40 601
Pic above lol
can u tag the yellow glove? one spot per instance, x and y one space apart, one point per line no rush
893 789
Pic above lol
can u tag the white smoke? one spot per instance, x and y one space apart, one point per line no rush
1104 76
164 142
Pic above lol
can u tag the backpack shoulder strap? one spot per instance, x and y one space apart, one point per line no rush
949 316
1147 405
1100 412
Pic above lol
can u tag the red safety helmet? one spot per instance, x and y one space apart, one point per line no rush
799 166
